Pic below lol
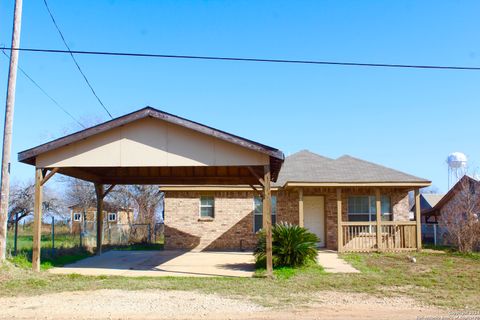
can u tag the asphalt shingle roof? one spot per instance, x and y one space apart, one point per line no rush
306 166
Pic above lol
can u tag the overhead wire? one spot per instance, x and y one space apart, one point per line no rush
46 93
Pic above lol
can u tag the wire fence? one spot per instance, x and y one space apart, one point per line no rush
122 234
434 234
58 235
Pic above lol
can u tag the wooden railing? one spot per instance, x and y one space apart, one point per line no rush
362 236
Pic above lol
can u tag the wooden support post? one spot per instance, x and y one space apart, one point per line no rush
301 217
100 193
418 218
378 207
267 219
339 221
37 220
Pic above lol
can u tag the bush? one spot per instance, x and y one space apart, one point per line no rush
292 246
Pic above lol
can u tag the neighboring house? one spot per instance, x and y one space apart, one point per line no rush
427 202
82 219
449 201
310 191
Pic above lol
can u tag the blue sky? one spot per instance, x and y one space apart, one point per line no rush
406 119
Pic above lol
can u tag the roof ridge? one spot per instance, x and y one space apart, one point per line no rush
378 165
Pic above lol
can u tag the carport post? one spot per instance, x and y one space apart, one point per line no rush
37 220
267 219
100 194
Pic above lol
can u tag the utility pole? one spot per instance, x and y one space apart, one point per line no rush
7 131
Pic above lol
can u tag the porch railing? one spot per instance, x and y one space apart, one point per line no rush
395 236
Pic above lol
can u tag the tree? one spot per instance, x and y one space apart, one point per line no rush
460 215
22 199
146 199
79 193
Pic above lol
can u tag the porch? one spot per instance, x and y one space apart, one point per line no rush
364 218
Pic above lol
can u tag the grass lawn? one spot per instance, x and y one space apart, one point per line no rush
442 279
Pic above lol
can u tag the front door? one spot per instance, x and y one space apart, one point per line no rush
314 216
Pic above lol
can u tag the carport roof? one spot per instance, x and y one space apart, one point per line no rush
28 156
131 174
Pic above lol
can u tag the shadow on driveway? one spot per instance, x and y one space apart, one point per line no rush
164 263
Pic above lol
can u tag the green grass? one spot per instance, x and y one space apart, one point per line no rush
443 279
24 242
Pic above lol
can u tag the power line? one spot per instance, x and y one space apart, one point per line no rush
45 93
312 62
74 60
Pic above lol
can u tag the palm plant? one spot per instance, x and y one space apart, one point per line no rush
292 246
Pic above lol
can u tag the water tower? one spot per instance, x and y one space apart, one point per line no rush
457 166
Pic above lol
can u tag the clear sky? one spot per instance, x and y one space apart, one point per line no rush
406 119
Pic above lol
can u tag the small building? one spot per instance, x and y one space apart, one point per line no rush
427 202
466 187
82 219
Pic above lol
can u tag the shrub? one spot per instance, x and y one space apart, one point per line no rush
292 246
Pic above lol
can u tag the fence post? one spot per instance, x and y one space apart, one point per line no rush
149 233
16 235
53 236
435 234
81 235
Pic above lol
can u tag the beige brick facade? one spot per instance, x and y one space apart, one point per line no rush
232 227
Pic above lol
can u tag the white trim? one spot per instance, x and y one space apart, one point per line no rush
206 206
112 213
79 216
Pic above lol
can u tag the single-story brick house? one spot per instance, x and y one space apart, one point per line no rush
309 192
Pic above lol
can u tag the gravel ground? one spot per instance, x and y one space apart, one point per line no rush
157 304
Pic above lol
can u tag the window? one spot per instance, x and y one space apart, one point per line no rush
77 216
363 208
258 213
207 207
112 216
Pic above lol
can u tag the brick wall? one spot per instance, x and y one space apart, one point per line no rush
232 227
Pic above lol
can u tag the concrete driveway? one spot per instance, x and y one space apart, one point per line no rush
164 263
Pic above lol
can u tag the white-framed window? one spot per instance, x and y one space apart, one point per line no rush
112 216
207 207
364 208
258 213
77 216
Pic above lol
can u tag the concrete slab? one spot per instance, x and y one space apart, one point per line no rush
332 263
164 264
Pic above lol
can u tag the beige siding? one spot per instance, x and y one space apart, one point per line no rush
151 142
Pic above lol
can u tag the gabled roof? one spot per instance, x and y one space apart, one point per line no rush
308 167
465 180
430 200
276 156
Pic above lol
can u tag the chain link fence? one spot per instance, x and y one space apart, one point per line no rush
122 234
434 234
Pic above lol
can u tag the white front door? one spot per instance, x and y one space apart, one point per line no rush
314 216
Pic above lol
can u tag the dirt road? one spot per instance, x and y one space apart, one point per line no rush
156 304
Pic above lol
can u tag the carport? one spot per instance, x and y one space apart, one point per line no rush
153 147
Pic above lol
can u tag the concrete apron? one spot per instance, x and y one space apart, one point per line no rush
164 264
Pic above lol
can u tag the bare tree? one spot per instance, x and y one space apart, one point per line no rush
146 199
460 215
22 200
79 193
